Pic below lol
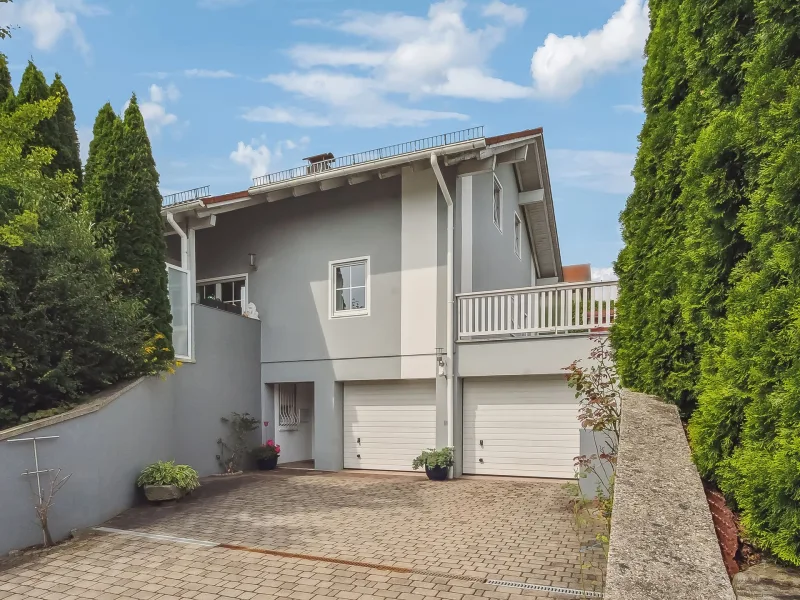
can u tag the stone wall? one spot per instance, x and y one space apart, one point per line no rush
663 545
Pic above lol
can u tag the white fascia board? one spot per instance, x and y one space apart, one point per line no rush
381 164
183 207
508 145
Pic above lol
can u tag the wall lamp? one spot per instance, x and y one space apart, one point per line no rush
253 264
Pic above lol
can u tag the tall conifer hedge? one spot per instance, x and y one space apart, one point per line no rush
709 314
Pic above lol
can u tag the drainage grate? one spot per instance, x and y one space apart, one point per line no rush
544 588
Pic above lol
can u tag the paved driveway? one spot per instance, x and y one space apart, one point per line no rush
298 535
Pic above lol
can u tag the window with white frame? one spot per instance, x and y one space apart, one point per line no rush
350 287
497 204
517 235
227 293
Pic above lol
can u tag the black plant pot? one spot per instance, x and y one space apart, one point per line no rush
267 464
437 473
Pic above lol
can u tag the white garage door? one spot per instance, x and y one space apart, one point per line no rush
523 426
387 424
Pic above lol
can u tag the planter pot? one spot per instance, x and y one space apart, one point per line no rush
267 464
163 493
437 473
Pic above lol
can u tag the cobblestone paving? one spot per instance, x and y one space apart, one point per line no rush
498 529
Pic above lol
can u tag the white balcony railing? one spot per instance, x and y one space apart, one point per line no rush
544 310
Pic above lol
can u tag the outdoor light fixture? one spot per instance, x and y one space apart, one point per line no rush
253 261
440 360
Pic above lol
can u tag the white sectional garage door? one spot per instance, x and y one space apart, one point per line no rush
522 426
387 424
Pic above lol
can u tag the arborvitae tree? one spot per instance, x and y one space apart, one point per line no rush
709 307
103 179
746 431
64 329
33 88
122 191
68 152
648 335
6 88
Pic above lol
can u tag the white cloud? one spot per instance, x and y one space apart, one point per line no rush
631 108
154 112
562 64
276 114
255 158
209 74
510 13
49 20
401 58
595 170
603 274
160 94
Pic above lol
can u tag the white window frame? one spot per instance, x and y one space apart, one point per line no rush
517 235
342 314
496 182
190 314
226 279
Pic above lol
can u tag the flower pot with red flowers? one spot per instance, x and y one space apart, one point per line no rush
437 463
266 455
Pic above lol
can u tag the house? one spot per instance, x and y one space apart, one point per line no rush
410 296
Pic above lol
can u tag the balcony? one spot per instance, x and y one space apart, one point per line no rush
549 310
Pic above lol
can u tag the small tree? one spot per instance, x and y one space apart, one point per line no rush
597 389
43 502
239 443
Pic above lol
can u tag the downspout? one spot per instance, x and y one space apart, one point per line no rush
184 241
450 306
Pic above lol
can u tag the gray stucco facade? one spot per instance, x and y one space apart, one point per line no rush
174 418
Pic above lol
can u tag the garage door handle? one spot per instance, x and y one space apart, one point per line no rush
480 460
481 443
358 456
358 441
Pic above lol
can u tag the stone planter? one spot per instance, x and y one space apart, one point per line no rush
163 493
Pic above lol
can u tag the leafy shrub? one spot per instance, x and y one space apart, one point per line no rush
168 473
266 451
434 458
239 441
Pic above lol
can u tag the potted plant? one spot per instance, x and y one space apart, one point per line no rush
164 480
266 455
437 463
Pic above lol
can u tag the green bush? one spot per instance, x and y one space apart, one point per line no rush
433 458
709 309
183 477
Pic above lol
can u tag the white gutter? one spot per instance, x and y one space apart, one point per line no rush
367 166
184 241
450 306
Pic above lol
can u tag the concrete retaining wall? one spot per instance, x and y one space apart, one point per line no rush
106 442
663 545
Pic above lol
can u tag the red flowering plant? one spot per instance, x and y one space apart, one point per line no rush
268 450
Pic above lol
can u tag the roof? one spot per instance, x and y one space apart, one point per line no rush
577 273
507 137
226 197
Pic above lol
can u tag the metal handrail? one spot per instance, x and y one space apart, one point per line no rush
186 196
444 139
540 288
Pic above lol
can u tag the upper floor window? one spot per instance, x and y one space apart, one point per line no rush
350 287
497 204
517 235
227 293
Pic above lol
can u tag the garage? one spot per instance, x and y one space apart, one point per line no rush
520 426
386 424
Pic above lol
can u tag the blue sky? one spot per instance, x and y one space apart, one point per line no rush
236 88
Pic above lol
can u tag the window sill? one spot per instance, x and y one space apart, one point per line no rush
349 314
